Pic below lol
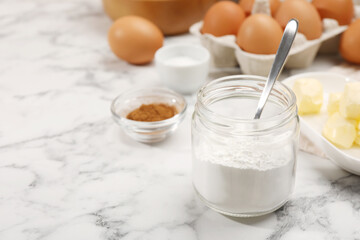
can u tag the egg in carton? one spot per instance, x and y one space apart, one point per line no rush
226 53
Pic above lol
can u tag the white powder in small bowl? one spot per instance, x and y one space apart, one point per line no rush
181 61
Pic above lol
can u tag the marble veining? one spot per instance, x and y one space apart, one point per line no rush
68 172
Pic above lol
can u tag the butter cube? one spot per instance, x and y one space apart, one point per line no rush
340 131
333 103
309 95
350 101
357 139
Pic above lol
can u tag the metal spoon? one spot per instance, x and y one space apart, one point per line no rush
280 58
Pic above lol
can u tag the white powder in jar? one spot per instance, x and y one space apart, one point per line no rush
242 179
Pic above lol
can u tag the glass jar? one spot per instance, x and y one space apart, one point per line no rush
241 166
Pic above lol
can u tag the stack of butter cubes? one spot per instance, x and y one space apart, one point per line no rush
343 126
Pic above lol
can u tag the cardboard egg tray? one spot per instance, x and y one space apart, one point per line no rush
226 53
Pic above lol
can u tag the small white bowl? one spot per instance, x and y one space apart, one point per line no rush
183 67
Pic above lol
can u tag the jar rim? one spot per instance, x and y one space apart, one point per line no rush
289 110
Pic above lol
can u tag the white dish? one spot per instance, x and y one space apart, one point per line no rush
311 125
183 67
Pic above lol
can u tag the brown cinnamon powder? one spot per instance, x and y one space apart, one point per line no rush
152 112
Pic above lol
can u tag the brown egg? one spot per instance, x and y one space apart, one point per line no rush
247 5
310 23
350 43
223 18
135 39
341 10
259 34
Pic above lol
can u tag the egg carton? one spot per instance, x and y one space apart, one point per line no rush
226 53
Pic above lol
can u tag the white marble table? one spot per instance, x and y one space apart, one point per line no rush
68 172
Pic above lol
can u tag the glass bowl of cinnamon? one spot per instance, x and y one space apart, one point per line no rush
149 115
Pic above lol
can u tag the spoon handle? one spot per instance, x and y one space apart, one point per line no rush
280 58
